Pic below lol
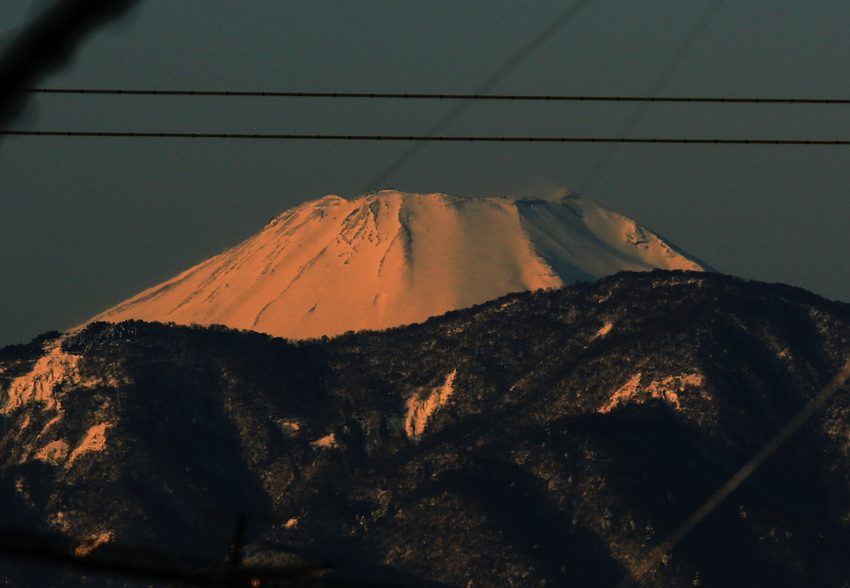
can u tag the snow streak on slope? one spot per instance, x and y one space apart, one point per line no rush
391 258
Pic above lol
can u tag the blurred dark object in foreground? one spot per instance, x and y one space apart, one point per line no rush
47 43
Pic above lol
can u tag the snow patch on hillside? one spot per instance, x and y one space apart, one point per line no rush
53 453
326 442
50 371
606 328
289 428
94 440
53 375
625 393
419 409
67 523
92 542
47 425
666 389
53 370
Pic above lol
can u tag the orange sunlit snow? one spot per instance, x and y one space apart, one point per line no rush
391 258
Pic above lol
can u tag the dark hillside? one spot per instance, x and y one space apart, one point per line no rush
550 438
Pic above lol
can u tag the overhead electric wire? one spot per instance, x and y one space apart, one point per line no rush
47 43
423 138
82 15
488 84
605 158
426 96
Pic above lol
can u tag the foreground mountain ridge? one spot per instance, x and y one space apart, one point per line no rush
391 258
548 438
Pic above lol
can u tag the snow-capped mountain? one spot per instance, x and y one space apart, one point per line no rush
392 258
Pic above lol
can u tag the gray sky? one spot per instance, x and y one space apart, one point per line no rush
86 223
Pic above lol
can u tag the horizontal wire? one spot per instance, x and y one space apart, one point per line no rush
539 97
468 139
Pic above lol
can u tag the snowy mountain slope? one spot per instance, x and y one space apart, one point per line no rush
391 258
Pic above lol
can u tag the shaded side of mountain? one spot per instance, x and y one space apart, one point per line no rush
544 438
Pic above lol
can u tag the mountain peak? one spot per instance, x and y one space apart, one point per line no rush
390 258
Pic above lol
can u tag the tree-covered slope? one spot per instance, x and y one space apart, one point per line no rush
551 438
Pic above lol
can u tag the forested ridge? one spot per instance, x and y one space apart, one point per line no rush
547 438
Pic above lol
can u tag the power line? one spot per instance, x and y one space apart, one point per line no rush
47 43
422 138
608 154
425 96
488 84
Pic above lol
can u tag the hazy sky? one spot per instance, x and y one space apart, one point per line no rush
86 223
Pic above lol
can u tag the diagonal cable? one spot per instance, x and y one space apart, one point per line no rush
660 82
487 85
828 391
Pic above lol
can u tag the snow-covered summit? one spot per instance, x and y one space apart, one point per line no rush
390 258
